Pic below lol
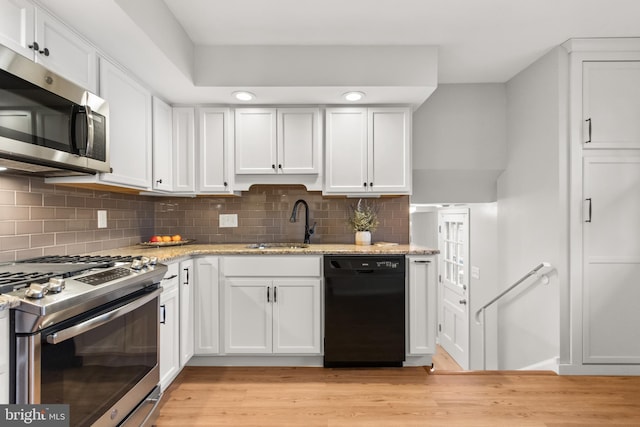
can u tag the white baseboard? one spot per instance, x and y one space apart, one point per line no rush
545 365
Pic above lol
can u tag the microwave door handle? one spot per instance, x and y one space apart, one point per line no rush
81 328
75 110
89 115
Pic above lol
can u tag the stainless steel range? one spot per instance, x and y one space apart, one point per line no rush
86 334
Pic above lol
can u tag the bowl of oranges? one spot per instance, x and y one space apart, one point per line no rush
174 240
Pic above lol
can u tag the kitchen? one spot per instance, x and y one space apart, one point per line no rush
502 177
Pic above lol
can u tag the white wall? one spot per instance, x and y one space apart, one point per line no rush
459 144
530 215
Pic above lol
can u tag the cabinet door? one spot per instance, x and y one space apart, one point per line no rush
162 146
296 316
247 315
129 128
4 357
255 133
611 260
17 29
65 52
298 141
346 150
187 295
611 104
206 306
214 154
184 175
169 335
422 305
389 150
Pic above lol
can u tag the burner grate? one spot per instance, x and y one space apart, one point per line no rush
79 259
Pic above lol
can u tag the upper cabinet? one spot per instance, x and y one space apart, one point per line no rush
611 104
215 160
162 146
130 128
368 151
184 138
40 37
277 141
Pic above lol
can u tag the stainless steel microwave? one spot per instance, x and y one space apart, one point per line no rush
49 126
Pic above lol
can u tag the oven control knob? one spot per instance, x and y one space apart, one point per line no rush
56 284
153 260
36 291
145 261
137 264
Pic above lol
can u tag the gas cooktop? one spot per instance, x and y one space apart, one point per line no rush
53 288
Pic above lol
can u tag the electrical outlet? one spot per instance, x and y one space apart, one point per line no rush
228 220
102 219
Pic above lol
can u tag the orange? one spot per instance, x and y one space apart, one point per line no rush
176 238
166 238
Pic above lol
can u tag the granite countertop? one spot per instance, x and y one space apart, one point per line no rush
169 253
8 301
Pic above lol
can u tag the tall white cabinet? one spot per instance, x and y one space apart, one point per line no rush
604 207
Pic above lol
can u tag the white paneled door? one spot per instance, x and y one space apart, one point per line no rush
611 260
453 242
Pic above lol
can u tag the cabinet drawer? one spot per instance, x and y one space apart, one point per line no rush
272 265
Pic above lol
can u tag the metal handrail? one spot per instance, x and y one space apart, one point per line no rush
540 271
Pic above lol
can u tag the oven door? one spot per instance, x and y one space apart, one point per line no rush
103 363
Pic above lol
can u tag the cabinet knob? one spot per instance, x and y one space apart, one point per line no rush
371 184
159 181
279 166
273 166
365 184
34 46
463 301
226 184
45 52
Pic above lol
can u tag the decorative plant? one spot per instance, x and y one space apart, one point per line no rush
363 217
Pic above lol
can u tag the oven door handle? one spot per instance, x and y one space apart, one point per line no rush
80 328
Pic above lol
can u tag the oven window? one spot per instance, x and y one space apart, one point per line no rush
93 370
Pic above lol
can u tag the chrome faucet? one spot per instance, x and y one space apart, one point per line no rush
307 231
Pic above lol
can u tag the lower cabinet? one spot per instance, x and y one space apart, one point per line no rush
4 357
272 304
422 304
187 295
272 315
169 327
207 324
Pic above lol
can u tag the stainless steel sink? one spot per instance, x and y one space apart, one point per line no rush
278 246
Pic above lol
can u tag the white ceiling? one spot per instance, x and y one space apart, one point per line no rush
478 40
194 51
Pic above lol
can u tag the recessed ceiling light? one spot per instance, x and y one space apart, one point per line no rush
353 96
2 168
243 96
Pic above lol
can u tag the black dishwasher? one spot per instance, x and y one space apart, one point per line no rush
364 315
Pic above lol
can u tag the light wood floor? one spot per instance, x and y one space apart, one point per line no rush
310 397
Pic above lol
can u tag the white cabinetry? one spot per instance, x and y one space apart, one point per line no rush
40 37
611 104
274 306
611 259
368 151
187 295
277 141
169 327
162 146
422 305
4 357
184 175
206 306
215 160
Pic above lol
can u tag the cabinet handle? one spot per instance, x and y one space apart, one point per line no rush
187 270
170 277
463 301
275 294
225 184
365 185
371 184
159 181
421 261
163 314
273 167
45 52
268 289
34 46
279 166
589 210
588 130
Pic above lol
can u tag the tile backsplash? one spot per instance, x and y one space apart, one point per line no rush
42 219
